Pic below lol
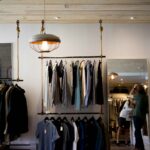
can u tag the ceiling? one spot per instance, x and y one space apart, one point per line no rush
75 11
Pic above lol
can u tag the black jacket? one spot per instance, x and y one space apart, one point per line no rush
18 115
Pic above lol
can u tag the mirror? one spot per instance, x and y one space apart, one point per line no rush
5 61
122 75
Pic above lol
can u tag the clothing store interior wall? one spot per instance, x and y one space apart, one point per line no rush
120 41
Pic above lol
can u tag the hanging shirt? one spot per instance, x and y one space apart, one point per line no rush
83 81
59 141
74 81
60 73
77 89
65 136
126 111
88 83
50 71
71 136
7 95
47 134
99 87
93 85
47 91
56 87
76 136
66 95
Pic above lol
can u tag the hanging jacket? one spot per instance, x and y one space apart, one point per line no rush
50 71
93 84
2 112
83 81
74 82
56 98
17 113
99 87
77 89
89 71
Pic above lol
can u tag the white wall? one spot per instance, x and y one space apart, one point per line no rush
127 40
120 41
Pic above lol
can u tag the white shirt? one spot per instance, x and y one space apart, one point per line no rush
125 112
76 137
47 92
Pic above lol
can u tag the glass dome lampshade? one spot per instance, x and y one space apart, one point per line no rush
113 75
44 43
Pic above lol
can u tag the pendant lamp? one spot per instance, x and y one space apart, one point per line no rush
113 75
43 42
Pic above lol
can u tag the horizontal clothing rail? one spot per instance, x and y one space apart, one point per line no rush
72 113
5 79
9 79
65 57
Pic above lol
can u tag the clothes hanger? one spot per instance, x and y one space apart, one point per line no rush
78 119
85 119
92 119
99 119
77 62
18 87
72 119
46 119
82 62
65 119
52 119
59 119
47 63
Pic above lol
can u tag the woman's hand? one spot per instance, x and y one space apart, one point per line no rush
132 92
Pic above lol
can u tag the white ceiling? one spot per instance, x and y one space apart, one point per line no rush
75 11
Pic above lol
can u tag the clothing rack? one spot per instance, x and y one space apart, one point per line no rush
72 113
9 79
65 57
68 57
5 79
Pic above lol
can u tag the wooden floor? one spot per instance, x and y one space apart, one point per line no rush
121 148
125 147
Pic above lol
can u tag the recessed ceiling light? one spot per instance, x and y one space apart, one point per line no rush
132 18
56 17
139 68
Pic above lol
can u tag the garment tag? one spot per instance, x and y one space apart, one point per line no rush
45 131
61 128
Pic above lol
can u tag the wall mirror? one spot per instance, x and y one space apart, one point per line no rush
122 75
5 61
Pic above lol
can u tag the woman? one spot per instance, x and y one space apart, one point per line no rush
124 121
139 115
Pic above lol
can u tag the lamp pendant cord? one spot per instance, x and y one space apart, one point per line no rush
101 38
43 21
18 32
101 51
44 9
